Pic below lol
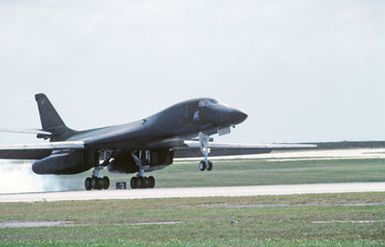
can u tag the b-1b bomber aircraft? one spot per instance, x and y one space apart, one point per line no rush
180 131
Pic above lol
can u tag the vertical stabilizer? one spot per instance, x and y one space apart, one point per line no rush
50 119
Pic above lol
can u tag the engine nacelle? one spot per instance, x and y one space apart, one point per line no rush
123 164
152 160
161 157
62 163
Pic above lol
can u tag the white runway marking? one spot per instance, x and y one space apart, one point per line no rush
195 192
349 222
30 224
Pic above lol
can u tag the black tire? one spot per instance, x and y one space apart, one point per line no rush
88 184
146 183
134 183
210 166
106 183
141 182
99 185
94 183
151 182
202 166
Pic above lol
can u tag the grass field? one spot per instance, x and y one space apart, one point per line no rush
356 219
255 172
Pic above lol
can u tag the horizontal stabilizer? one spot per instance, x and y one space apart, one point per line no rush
27 131
35 151
46 145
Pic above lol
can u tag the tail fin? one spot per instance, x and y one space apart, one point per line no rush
50 119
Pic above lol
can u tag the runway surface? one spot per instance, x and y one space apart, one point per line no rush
195 192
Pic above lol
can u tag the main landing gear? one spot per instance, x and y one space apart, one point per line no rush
205 164
141 181
96 183
99 183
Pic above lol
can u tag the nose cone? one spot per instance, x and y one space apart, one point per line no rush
223 116
237 116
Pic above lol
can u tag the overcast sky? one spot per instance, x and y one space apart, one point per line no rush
302 70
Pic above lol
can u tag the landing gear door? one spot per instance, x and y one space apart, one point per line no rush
224 131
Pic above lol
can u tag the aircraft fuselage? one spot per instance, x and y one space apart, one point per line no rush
147 139
181 121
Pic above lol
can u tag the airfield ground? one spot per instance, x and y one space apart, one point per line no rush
355 219
349 219
329 166
256 172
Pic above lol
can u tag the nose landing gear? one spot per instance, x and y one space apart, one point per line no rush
205 164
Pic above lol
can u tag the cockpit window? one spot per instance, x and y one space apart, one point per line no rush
203 103
206 102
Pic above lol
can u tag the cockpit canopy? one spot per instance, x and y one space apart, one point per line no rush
207 102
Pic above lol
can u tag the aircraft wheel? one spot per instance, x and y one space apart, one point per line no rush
94 183
202 166
99 183
151 182
106 183
146 183
88 184
134 183
210 166
141 182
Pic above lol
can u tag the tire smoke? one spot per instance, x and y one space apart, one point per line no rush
17 177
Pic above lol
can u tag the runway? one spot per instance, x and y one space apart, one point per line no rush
238 191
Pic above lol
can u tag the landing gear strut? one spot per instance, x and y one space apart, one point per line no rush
205 164
95 182
141 181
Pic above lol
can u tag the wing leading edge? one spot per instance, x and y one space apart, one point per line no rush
191 149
